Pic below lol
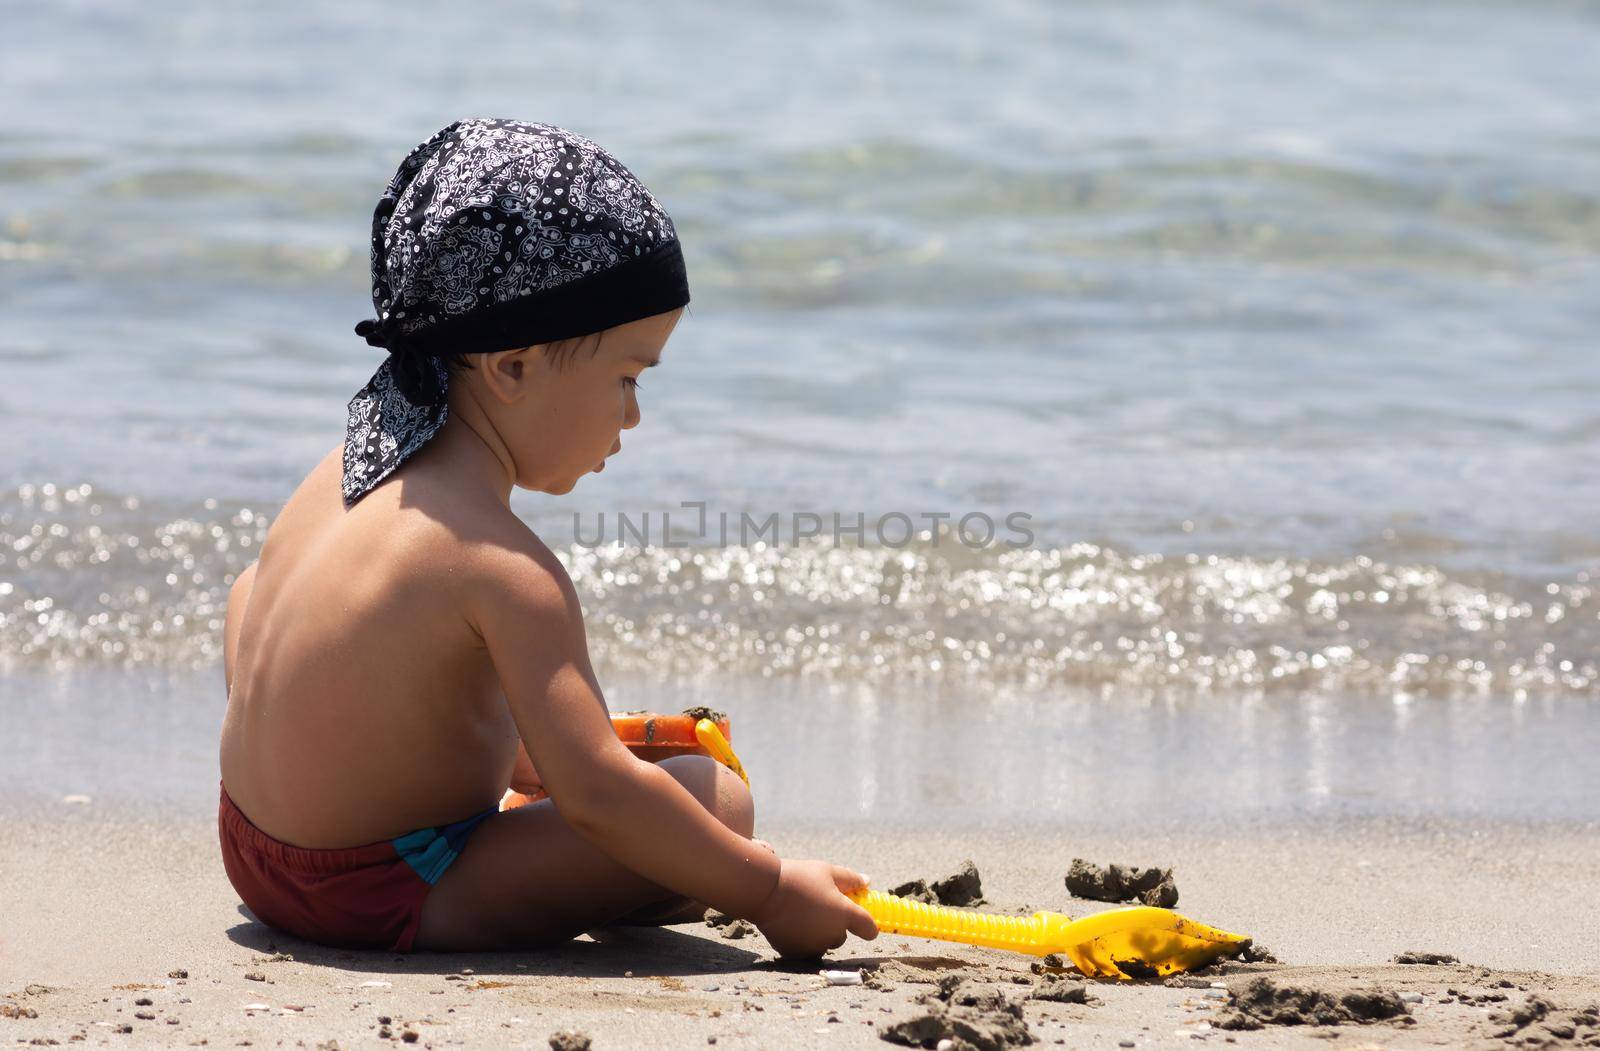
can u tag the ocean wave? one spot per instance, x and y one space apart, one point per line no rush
91 577
920 225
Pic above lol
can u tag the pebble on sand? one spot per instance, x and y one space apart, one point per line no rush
738 929
1114 883
1425 957
963 887
1263 1002
569 1040
1060 990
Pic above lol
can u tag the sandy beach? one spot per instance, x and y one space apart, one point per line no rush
1157 433
118 930
1336 843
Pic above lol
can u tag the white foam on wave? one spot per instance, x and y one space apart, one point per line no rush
88 577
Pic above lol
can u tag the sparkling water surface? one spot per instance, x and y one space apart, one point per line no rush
1255 329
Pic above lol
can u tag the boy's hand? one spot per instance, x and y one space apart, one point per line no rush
807 913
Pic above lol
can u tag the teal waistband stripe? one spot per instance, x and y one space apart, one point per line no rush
429 851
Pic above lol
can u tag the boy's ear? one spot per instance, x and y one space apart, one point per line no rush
506 373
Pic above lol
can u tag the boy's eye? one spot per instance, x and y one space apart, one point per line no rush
631 381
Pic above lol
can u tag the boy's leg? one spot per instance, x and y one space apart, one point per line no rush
527 878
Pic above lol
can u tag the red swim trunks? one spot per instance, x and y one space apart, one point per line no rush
359 897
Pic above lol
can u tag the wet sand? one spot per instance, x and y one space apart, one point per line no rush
102 909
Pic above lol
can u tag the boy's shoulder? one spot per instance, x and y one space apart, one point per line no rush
447 533
500 557
517 594
508 551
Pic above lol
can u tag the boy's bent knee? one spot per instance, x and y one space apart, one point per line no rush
718 789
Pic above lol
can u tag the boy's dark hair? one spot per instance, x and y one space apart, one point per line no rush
561 352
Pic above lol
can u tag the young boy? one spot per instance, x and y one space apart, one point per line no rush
406 647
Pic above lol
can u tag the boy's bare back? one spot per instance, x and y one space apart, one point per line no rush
363 703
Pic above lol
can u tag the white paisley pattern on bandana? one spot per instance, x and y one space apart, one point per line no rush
383 429
484 213
552 204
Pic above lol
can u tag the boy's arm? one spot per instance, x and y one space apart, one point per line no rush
528 614
524 777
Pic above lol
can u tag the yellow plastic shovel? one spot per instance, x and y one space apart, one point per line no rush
711 739
1134 942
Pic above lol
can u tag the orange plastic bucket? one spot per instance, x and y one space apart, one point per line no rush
652 736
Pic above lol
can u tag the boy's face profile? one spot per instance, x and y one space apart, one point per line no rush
561 409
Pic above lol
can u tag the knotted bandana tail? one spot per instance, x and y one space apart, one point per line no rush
384 427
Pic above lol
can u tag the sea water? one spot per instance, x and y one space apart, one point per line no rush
1274 323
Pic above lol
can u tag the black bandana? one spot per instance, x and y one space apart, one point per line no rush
493 235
